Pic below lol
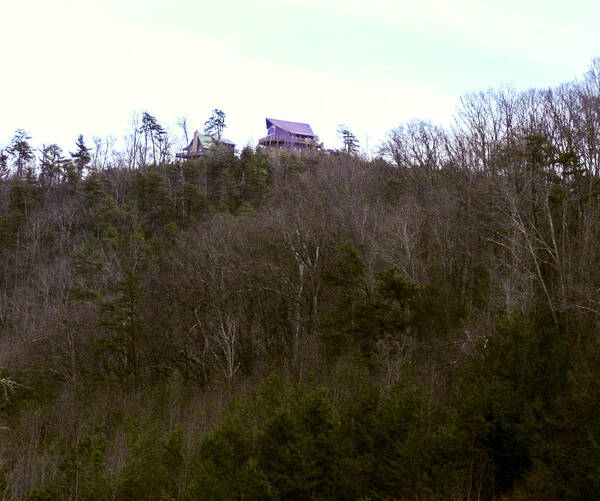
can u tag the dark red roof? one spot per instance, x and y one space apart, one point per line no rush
292 127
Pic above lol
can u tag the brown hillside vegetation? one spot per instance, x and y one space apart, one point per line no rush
281 326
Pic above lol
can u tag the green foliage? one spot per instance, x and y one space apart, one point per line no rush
255 176
362 314
3 476
149 471
153 199
225 468
215 124
44 494
193 200
443 320
80 475
120 315
92 188
298 450
154 133
9 227
20 150
53 165
348 140
105 220
374 446
24 198
81 157
4 170
508 395
566 450
439 309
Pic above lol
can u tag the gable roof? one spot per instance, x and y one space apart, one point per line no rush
201 142
292 127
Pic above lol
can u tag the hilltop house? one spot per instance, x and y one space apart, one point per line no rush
202 145
293 135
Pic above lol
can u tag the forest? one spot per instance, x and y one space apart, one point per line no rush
423 325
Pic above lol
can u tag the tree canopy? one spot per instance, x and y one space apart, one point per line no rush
215 125
315 325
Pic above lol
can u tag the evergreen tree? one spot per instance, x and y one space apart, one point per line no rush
81 157
348 139
154 132
3 164
215 124
20 150
53 164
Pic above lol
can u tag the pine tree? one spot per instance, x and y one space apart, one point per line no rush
3 164
348 139
81 157
20 150
53 164
152 131
215 124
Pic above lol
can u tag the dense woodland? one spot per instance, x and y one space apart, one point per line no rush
420 326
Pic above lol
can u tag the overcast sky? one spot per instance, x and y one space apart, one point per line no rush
71 67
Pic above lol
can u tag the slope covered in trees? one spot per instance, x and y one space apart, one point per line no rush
420 326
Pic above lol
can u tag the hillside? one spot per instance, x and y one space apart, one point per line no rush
317 326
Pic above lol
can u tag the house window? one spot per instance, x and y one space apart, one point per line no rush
271 131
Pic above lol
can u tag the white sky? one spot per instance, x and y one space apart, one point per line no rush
83 67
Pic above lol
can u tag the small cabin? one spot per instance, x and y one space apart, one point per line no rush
292 135
203 145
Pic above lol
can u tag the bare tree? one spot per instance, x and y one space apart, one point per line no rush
417 144
182 123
